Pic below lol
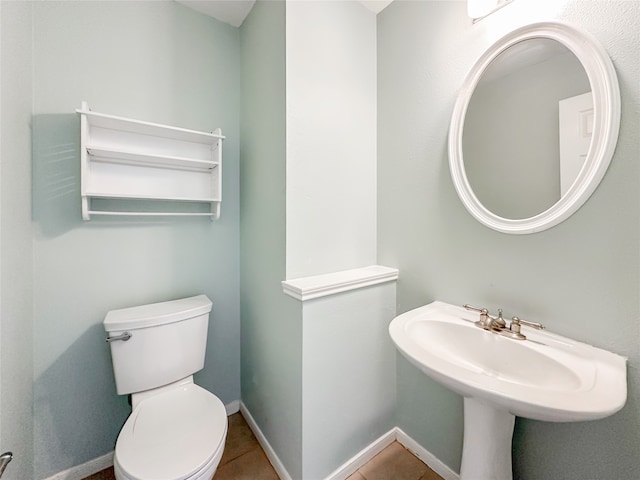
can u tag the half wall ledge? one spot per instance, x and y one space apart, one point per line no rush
308 288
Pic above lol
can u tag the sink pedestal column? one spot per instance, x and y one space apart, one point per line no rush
486 450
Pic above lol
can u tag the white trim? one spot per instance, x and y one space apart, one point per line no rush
341 473
606 101
428 458
264 443
86 469
359 459
395 434
232 407
307 288
363 456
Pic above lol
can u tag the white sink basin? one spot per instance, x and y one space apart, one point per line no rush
545 377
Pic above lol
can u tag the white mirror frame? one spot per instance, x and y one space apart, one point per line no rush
606 101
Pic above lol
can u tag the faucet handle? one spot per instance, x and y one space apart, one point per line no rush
485 321
481 310
517 322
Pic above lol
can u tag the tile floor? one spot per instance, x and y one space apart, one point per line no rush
243 459
395 463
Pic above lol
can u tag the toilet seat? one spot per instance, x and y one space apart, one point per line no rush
174 435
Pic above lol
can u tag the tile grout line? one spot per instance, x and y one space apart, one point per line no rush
251 450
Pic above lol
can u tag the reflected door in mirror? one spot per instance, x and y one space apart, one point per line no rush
576 130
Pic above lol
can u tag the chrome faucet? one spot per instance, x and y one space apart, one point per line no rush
499 325
486 321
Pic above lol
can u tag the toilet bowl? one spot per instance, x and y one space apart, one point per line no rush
176 434
177 429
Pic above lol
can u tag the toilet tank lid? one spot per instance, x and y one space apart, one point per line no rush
156 313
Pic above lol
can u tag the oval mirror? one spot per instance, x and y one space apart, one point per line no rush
534 128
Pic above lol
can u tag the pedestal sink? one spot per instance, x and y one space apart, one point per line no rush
545 377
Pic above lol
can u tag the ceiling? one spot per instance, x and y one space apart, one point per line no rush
234 12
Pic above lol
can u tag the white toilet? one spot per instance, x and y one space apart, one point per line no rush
176 430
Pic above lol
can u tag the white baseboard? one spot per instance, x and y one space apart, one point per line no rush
233 407
425 456
341 473
264 443
360 458
86 469
397 434
363 456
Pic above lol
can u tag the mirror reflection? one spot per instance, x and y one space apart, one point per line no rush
527 129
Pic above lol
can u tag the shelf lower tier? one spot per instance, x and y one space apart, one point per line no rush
151 214
145 206
122 196
99 154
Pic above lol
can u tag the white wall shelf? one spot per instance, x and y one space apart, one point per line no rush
127 159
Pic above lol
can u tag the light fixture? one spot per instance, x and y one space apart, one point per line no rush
478 9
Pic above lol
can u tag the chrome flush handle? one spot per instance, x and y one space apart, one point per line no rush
124 337
5 458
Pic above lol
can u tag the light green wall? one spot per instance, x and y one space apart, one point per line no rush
349 376
271 322
156 61
580 278
162 62
16 252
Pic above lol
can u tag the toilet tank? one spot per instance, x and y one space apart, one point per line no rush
167 343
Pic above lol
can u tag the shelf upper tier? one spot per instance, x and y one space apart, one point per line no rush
114 122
